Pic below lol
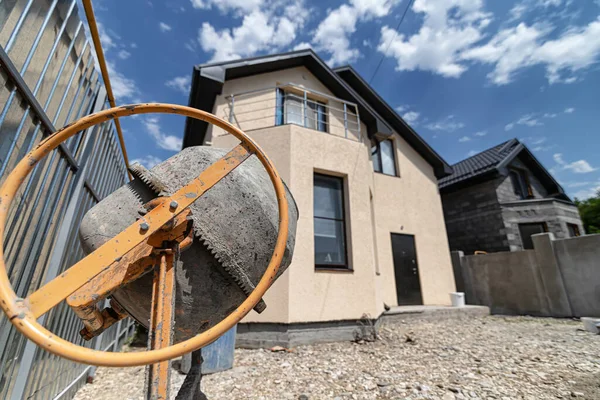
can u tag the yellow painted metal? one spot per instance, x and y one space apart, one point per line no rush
91 18
111 253
21 316
161 326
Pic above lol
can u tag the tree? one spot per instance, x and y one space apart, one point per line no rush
590 213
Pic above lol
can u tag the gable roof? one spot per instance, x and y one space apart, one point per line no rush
479 164
495 161
348 74
208 81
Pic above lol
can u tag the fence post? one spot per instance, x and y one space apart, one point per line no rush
304 113
550 275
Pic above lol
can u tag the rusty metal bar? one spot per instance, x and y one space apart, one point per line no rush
161 326
89 14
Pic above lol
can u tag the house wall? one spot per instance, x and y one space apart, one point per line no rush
374 202
474 218
486 216
506 190
411 204
258 110
555 213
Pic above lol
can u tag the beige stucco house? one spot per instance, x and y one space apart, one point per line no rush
371 229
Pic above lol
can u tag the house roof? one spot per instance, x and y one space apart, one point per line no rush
496 160
348 74
479 164
208 80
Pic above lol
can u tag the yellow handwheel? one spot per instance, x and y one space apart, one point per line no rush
23 313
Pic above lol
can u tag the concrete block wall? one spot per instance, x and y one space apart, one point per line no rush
474 219
555 213
559 278
506 190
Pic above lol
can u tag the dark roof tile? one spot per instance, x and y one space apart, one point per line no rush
479 163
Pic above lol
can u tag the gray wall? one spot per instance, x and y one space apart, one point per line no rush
506 190
486 216
474 219
555 213
559 278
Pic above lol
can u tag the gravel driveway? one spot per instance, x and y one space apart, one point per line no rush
480 358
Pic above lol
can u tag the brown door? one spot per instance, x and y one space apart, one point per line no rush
406 270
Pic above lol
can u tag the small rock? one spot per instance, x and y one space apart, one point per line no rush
449 396
454 390
276 349
577 394
383 384
303 397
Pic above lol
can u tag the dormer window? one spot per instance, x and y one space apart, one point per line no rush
520 183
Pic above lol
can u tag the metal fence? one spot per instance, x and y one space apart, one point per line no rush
48 79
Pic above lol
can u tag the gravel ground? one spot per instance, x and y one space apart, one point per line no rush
482 358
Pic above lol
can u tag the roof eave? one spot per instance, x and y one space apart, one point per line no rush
441 167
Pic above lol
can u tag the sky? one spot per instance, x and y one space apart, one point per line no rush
466 74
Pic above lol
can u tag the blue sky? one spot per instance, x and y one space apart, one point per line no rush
467 74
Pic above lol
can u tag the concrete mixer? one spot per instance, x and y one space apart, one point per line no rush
187 249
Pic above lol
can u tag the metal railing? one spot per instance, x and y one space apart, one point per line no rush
290 103
48 79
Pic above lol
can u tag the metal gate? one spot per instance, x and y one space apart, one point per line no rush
48 79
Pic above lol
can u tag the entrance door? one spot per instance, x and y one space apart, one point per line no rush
406 270
527 230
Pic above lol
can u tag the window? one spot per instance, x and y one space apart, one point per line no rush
329 222
383 157
573 230
290 110
520 183
527 230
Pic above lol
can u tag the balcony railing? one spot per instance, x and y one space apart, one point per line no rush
292 104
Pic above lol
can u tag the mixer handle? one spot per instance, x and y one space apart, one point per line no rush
23 313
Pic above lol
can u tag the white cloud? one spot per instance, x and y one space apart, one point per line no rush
267 28
526 120
181 83
569 110
411 117
164 141
147 161
481 133
558 159
516 48
164 27
228 5
124 54
549 115
464 139
453 36
447 124
544 148
333 33
367 43
539 140
578 184
587 193
302 46
472 153
578 167
449 28
105 38
401 109
123 87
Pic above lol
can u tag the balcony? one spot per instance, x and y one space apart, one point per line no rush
292 104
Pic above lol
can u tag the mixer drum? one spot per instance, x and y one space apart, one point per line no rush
235 226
